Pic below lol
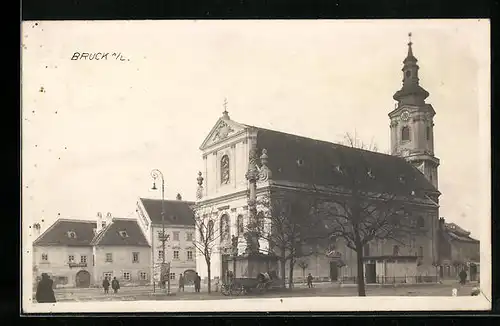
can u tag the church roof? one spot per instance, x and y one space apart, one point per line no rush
310 161
121 232
177 212
67 232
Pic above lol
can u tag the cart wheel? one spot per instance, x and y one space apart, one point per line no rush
225 290
238 289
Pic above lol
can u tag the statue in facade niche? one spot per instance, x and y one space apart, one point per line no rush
234 245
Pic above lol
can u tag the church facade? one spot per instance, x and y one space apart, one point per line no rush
305 168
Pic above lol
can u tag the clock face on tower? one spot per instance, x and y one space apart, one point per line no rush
405 116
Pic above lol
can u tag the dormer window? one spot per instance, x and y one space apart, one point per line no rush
300 162
370 174
71 234
402 179
338 169
123 234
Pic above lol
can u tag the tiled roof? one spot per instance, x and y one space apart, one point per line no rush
177 212
61 231
305 160
455 232
121 232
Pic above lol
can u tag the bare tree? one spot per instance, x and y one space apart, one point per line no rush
207 237
287 217
359 216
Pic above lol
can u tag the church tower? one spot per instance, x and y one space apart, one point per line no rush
412 126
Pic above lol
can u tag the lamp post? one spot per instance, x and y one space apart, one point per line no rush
157 174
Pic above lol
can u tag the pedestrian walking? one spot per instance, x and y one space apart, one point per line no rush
309 281
181 283
105 285
44 290
115 285
463 276
197 283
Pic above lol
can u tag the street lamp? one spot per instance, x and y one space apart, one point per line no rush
157 174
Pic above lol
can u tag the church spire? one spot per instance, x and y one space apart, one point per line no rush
410 57
411 92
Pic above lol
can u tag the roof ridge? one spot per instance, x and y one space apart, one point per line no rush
169 200
75 220
322 141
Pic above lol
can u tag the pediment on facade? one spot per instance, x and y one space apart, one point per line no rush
222 130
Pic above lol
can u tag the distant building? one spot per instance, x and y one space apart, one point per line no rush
179 230
458 251
80 253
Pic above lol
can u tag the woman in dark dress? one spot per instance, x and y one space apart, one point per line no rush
44 291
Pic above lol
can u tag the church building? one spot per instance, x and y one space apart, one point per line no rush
304 167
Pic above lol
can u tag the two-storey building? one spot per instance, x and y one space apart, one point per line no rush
458 251
80 253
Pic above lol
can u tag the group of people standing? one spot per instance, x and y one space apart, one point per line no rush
197 283
115 285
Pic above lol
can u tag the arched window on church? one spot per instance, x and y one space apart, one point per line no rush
224 227
428 132
239 223
405 133
224 169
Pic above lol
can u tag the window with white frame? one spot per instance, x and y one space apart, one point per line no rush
109 257
176 235
108 275
135 257
160 255
126 276
176 254
143 276
189 255
71 259
45 257
189 236
172 276
83 259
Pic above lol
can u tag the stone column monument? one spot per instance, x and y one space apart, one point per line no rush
252 262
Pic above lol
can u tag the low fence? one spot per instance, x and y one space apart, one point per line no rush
394 279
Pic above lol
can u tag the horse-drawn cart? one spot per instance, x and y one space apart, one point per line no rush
261 284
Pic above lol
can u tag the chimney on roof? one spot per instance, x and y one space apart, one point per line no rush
109 218
178 197
99 222
36 230
441 223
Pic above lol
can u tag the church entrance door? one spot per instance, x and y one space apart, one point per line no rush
371 274
334 271
224 267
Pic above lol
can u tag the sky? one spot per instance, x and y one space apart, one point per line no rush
92 131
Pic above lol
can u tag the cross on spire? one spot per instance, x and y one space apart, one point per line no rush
225 114
225 104
409 39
